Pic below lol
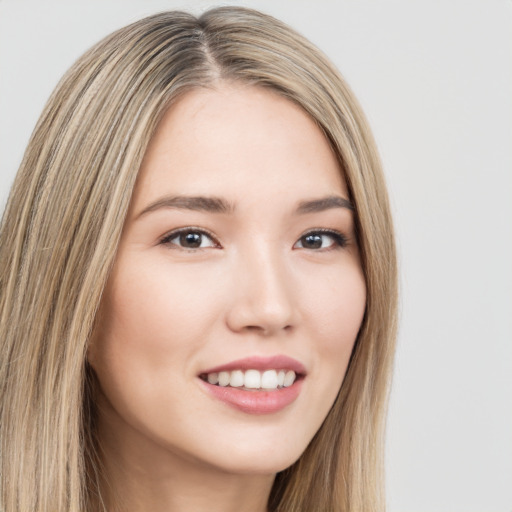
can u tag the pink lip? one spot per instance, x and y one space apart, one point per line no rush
257 402
278 362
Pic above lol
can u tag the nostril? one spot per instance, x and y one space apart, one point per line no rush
267 330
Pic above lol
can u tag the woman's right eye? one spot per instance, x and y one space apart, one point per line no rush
189 239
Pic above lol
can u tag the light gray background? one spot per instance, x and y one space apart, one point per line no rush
435 79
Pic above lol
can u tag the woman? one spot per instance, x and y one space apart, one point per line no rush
198 280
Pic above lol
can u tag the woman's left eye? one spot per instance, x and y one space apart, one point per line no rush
321 240
190 239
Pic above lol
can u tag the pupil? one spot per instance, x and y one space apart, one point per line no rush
313 241
190 240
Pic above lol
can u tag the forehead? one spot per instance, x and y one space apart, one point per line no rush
234 139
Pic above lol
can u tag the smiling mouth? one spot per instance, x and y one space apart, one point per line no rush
252 380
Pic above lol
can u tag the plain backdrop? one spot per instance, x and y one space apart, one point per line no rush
435 80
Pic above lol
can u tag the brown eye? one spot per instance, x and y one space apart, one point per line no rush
321 240
189 239
312 241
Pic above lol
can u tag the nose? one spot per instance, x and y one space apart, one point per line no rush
263 299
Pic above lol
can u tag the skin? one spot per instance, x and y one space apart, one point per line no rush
255 287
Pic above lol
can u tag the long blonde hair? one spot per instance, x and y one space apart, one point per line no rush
61 228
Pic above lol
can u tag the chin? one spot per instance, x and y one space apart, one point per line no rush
243 457
252 465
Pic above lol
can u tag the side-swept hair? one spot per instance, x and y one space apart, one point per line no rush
63 222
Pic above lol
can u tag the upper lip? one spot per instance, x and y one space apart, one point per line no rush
261 363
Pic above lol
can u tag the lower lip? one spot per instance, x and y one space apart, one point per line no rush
255 402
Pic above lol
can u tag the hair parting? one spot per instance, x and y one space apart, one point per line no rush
63 221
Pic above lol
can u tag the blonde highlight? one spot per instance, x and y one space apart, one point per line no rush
63 221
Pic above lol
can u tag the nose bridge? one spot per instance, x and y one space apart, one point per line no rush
264 298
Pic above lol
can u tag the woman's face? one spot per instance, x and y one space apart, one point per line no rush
238 265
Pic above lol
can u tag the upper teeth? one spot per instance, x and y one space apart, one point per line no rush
253 379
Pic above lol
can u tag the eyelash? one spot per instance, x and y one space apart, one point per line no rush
339 239
189 230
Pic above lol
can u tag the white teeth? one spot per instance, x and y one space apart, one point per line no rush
237 379
289 378
224 378
253 379
269 379
213 378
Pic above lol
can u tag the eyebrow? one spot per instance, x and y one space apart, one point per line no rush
196 203
325 203
219 205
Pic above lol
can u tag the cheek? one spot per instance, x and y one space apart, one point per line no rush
155 306
151 326
334 317
336 309
152 322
